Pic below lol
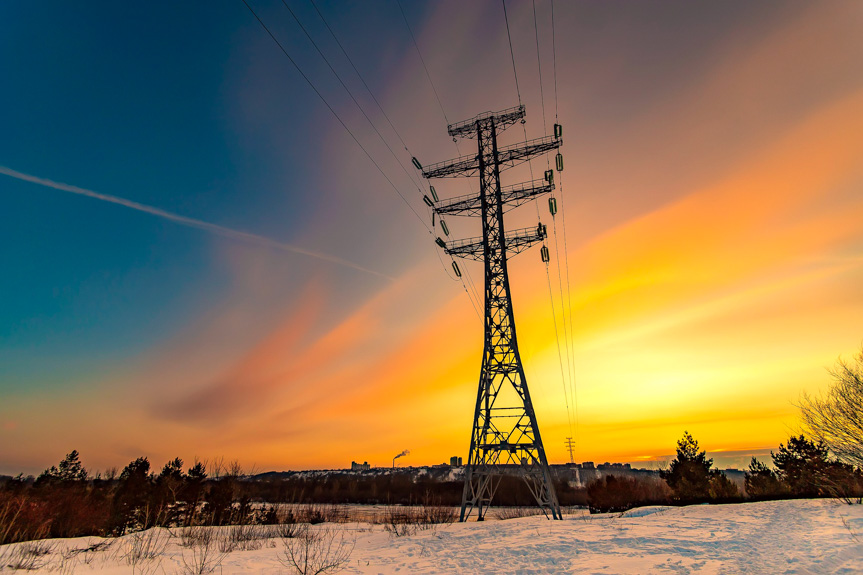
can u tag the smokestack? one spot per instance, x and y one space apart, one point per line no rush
402 454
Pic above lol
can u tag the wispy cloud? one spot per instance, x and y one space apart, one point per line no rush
190 222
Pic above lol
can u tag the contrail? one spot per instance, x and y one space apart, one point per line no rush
190 222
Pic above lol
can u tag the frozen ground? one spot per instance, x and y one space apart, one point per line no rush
777 537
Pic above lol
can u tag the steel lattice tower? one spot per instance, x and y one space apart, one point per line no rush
505 439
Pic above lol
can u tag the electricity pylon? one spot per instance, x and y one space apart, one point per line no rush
505 438
570 446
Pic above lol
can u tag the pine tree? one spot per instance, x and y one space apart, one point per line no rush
801 466
691 478
762 482
70 470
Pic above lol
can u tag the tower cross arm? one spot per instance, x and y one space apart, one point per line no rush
516 242
502 120
511 196
464 165
511 155
508 157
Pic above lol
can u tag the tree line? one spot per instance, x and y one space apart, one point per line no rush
801 469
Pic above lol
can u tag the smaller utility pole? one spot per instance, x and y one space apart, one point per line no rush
570 446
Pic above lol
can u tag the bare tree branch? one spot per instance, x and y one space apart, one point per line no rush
836 417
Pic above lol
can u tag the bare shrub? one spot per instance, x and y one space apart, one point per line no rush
69 559
316 513
89 553
613 494
504 513
28 555
193 535
244 537
843 483
287 530
143 548
287 526
201 555
401 521
434 512
316 551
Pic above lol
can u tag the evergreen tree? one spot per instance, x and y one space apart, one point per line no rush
807 471
70 470
169 487
721 488
691 478
802 466
132 506
194 491
762 482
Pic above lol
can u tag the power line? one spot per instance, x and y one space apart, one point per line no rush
330 108
344 125
421 60
574 389
396 132
567 332
336 74
512 54
339 78
563 374
554 59
446 119
539 65
559 356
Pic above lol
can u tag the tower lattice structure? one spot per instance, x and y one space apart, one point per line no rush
505 440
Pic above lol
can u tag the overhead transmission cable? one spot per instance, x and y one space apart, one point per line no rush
371 123
511 52
339 78
446 119
343 124
421 59
564 378
567 331
539 66
334 113
389 121
554 59
518 92
360 76
563 221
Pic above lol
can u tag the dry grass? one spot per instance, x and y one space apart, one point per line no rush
28 556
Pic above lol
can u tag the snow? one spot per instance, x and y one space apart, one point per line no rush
787 537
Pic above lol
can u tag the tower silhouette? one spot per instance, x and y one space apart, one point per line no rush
505 439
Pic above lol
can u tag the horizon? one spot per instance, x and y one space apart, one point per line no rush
199 259
721 460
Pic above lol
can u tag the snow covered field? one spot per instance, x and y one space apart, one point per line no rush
788 537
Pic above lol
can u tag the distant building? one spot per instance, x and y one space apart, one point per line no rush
588 465
455 461
364 466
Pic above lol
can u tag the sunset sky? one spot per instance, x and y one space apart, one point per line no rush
199 261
